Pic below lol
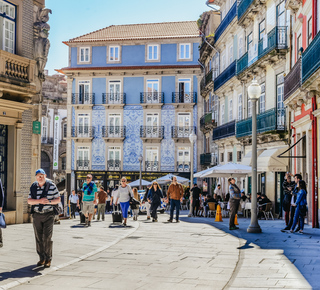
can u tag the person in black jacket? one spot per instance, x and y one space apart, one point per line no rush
288 187
196 196
154 196
1 206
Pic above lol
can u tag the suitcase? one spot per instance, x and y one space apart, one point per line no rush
82 218
116 216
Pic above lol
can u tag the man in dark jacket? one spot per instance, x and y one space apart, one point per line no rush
1 206
288 187
196 196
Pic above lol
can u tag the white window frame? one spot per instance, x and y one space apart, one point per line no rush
240 106
114 149
153 57
230 54
241 46
222 114
230 110
182 51
85 49
185 160
84 83
262 102
114 47
10 47
44 129
249 108
83 116
154 150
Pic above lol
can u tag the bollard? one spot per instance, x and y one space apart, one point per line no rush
218 214
236 220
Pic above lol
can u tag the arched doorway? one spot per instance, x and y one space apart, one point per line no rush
45 163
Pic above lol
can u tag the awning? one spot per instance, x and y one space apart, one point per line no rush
246 160
268 160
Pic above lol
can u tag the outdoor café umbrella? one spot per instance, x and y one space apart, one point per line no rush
137 183
229 169
168 178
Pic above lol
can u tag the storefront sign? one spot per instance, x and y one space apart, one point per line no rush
36 127
56 135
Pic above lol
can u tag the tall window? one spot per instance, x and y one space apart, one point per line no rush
84 55
183 159
280 105
216 108
240 47
223 61
185 91
44 131
84 90
281 18
83 125
184 51
309 30
299 44
152 159
114 153
114 125
8 22
114 54
230 111
153 52
64 131
240 107
222 114
230 54
114 92
152 91
249 108
83 157
263 98
262 29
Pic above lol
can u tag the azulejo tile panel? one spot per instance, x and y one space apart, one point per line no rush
195 121
72 154
132 145
73 116
98 145
167 144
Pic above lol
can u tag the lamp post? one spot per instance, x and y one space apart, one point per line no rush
254 92
192 138
140 158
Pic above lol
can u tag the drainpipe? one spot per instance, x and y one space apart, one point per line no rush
214 9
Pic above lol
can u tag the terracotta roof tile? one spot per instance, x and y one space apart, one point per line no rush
183 29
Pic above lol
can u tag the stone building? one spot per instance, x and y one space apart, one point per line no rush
24 47
132 92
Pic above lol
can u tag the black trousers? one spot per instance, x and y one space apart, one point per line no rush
196 206
234 205
153 209
43 229
73 209
292 212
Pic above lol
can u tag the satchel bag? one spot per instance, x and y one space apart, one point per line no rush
303 209
2 221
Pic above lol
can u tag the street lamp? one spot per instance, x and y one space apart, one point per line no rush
192 138
140 158
254 92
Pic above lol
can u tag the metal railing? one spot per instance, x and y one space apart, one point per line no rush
151 98
184 97
114 164
243 6
83 99
311 58
292 81
271 120
114 98
113 131
82 131
151 131
183 166
152 166
205 159
47 140
226 75
226 21
225 130
242 63
83 164
182 132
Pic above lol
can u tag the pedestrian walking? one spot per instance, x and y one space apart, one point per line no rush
43 198
1 206
155 196
124 194
108 203
102 197
301 206
234 201
287 186
135 210
196 197
146 202
89 197
73 203
174 194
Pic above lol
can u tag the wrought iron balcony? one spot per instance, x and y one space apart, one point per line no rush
151 98
206 83
242 63
292 80
46 140
276 39
183 166
152 166
205 48
243 6
224 131
153 132
82 131
226 21
226 75
114 132
83 164
205 159
207 122
182 132
114 165
114 98
82 99
268 121
184 97
311 58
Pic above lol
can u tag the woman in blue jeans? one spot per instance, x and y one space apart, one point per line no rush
301 208
124 194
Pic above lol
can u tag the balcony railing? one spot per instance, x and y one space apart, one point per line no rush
183 166
114 98
82 99
114 165
152 165
311 58
113 131
46 140
82 131
271 120
243 7
276 39
182 132
205 48
184 97
207 122
292 81
205 159
83 164
224 131
151 98
151 132
226 75
16 67
242 63
226 21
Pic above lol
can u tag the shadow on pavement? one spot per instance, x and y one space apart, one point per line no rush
25 272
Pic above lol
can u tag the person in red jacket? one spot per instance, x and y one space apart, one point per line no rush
174 194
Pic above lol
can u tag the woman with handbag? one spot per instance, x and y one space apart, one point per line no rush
301 206
135 207
123 196
1 206
154 196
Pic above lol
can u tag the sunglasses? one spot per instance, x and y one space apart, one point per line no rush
123 181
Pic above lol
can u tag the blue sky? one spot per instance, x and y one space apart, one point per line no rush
72 18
